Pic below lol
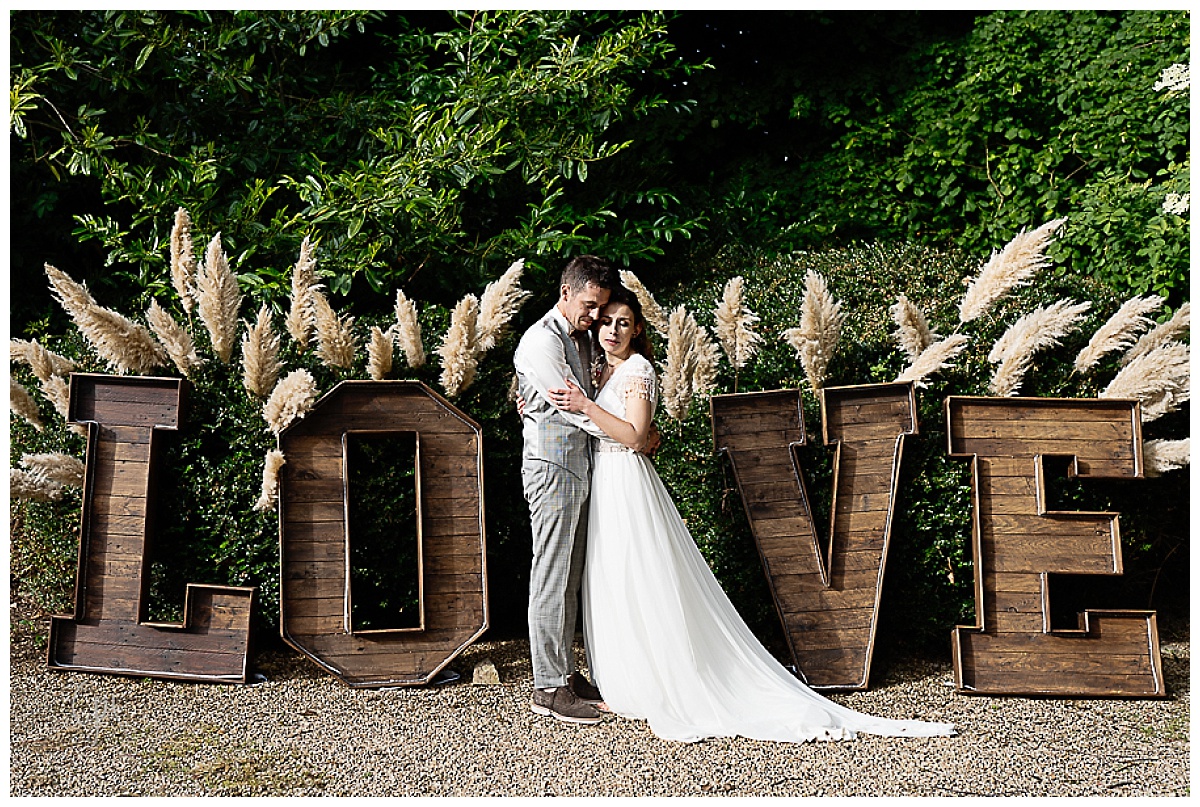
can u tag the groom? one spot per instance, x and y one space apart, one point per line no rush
555 472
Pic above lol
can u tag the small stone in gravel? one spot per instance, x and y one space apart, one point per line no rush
485 673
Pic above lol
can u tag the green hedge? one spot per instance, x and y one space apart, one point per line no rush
211 533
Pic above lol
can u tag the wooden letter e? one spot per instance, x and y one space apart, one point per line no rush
1018 542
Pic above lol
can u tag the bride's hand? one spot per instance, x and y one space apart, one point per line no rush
570 399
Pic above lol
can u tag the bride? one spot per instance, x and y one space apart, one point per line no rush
664 643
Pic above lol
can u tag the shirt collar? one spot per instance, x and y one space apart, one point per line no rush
563 321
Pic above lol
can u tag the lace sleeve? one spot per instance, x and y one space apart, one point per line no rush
641 382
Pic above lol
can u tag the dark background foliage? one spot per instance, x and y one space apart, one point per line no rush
890 151
424 149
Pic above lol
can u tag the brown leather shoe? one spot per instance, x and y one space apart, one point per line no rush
562 704
584 689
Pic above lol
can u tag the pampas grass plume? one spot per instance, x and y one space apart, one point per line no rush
706 357
690 367
21 403
218 299
300 319
913 333
408 331
32 487
1042 327
735 324
654 313
676 391
1012 266
174 337
270 483
379 353
44 363
1160 379
1176 326
125 345
58 393
1120 331
73 297
50 370
292 398
260 356
820 329
458 351
500 301
1166 455
60 468
934 358
336 344
183 260
1037 330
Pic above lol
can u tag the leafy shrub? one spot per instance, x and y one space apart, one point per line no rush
418 148
1034 115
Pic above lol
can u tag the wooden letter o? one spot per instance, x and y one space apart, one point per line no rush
314 540
1018 542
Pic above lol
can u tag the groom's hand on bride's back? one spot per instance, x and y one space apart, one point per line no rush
653 441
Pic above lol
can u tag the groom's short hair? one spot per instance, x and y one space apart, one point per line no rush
584 269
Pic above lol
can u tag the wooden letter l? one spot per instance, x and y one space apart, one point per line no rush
108 632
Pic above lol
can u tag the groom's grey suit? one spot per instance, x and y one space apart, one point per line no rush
555 472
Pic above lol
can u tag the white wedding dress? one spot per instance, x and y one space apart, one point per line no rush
664 643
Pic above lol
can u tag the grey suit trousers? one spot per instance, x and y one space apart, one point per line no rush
558 506
555 473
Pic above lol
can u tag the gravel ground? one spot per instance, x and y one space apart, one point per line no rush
303 733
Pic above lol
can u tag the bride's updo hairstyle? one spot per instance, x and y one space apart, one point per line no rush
641 342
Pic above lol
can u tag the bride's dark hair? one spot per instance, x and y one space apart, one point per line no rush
641 342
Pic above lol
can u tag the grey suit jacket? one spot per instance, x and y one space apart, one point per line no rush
545 355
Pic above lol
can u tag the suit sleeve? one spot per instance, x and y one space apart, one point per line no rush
540 360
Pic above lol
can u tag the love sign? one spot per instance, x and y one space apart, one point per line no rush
826 590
